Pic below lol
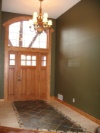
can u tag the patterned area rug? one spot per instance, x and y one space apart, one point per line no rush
39 115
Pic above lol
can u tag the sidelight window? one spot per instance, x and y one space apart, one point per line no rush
43 61
12 59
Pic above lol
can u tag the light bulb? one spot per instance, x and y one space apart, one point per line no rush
50 22
34 20
45 15
45 20
35 14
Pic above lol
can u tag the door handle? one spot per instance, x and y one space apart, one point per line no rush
19 78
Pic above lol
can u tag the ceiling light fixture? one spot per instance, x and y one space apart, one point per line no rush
40 21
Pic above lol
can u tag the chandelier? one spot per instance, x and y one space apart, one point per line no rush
40 21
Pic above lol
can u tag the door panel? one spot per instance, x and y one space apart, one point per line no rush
43 84
28 84
28 76
11 81
43 76
23 83
12 76
28 72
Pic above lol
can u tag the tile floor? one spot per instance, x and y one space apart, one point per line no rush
38 114
8 117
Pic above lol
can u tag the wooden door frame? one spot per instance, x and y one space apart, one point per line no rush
48 50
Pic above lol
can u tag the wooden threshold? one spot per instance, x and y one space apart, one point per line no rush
78 111
4 129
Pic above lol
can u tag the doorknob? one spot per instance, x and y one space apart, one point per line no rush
19 78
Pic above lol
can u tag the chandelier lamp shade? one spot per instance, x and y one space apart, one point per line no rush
40 21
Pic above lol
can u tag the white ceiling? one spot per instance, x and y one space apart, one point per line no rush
54 8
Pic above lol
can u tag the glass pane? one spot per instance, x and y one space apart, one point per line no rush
23 57
33 57
33 63
43 57
28 57
14 34
14 27
25 43
22 63
43 63
43 40
35 45
12 62
28 63
12 56
15 43
43 45
28 36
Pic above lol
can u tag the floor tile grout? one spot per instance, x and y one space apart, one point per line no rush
6 109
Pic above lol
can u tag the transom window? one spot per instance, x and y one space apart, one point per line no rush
21 36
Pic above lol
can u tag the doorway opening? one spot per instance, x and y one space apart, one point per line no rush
27 61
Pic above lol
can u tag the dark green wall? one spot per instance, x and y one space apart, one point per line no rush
53 47
0 16
1 56
78 56
7 16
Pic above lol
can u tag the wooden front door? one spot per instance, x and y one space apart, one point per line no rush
27 76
